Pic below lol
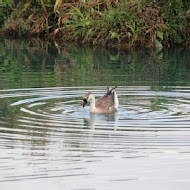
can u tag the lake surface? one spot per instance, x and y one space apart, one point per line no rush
49 141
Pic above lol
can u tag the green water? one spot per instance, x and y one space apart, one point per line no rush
34 64
49 141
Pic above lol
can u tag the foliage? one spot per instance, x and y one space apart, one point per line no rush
175 13
121 23
6 3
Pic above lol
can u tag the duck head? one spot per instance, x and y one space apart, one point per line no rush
86 98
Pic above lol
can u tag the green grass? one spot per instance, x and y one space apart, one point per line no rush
126 23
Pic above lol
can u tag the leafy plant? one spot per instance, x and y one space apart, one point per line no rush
7 3
109 23
175 21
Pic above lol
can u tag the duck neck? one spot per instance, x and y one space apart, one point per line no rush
92 102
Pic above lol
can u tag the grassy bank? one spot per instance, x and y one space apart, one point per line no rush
113 23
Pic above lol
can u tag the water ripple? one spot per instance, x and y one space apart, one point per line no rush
46 133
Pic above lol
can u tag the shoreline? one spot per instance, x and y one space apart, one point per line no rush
114 24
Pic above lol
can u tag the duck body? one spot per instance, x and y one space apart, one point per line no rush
106 104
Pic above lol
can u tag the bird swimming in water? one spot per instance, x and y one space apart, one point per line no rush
105 104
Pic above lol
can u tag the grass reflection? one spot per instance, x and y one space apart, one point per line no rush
41 64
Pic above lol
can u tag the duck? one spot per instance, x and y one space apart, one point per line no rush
106 104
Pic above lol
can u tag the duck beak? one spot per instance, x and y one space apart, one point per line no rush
84 102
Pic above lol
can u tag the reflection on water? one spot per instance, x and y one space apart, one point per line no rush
25 65
110 119
49 141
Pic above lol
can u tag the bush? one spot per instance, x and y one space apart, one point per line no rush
124 23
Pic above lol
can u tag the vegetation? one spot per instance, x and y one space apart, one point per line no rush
115 23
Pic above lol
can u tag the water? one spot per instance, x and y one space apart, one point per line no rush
48 141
